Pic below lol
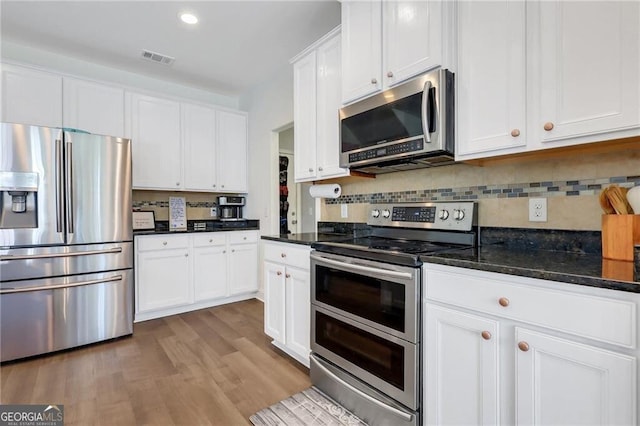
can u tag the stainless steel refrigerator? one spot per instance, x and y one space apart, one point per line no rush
66 240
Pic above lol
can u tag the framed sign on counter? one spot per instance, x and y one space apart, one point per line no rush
144 220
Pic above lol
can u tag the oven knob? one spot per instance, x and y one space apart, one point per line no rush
458 214
375 213
444 214
386 213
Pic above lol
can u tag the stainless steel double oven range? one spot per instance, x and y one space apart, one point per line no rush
366 316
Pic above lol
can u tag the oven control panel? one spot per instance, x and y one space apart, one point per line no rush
444 215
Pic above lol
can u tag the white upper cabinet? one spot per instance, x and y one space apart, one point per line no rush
199 136
31 97
491 74
387 42
316 101
361 49
154 127
543 74
93 107
231 151
585 69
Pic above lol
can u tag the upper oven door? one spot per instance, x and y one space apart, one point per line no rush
383 296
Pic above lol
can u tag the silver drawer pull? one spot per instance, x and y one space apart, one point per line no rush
54 255
54 287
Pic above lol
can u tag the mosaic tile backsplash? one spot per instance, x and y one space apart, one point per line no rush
563 188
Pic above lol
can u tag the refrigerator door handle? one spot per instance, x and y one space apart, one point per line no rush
54 287
53 255
59 187
69 186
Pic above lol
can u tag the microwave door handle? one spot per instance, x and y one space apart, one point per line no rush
425 113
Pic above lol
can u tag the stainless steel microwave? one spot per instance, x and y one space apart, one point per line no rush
406 127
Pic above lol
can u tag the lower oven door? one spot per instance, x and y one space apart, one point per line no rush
383 296
386 363
371 406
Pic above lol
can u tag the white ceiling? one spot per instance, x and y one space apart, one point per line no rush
234 46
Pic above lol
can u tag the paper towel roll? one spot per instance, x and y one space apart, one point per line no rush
325 191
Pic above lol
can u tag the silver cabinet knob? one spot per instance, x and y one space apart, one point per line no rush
320 168
177 183
233 250
210 241
224 251
283 255
374 81
287 275
164 243
213 186
310 169
222 186
389 74
278 273
186 255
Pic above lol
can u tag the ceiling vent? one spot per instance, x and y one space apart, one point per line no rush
157 57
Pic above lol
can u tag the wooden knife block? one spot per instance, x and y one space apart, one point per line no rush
619 233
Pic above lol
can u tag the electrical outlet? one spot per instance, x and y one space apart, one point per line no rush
344 212
537 209
213 212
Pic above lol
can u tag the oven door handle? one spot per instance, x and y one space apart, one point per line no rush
404 416
362 268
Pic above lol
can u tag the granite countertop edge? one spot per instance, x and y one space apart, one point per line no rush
522 271
191 231
561 277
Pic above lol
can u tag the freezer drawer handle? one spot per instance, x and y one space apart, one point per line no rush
406 417
54 287
51 255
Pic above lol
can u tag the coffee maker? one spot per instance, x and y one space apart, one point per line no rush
230 208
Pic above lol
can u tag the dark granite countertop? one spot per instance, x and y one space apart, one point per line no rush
162 227
576 268
306 238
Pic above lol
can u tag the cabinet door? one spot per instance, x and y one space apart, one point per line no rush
328 104
232 151
561 382
274 301
361 49
31 97
154 125
491 76
411 38
586 68
243 268
163 279
461 368
199 136
210 272
304 117
298 328
93 107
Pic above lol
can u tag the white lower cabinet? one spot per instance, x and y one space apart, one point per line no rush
501 349
287 298
184 272
163 271
462 368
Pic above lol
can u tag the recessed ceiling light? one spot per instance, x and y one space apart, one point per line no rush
189 18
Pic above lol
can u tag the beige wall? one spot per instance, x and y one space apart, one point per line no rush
581 212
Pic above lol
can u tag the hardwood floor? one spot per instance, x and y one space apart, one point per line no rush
213 366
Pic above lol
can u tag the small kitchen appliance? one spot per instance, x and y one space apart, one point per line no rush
366 316
230 208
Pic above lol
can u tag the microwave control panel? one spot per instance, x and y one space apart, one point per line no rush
398 148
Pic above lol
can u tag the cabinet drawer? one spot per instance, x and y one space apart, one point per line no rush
160 242
210 239
288 254
239 237
600 318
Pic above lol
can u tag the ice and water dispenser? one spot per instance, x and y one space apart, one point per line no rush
18 200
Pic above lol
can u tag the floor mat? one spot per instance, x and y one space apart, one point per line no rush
309 407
